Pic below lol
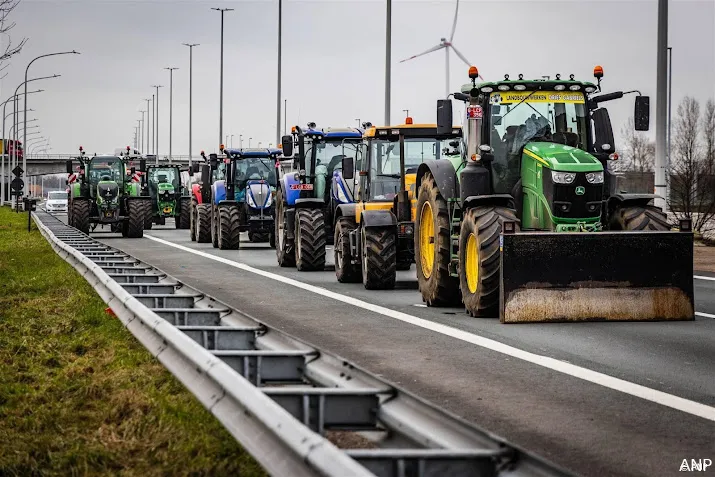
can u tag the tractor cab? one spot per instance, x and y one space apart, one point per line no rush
103 171
254 175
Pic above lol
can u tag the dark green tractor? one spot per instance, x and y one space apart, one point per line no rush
104 194
169 198
530 225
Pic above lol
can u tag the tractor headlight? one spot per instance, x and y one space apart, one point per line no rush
269 200
595 177
250 201
563 177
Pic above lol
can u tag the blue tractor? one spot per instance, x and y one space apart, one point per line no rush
308 196
242 199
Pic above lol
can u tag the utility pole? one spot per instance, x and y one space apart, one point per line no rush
171 106
670 107
191 78
661 104
141 133
220 114
148 122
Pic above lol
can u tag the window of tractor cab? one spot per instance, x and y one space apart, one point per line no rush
328 156
254 168
167 175
106 169
384 164
519 117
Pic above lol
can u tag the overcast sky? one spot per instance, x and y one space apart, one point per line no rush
333 60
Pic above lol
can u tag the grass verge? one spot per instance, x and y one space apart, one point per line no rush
78 394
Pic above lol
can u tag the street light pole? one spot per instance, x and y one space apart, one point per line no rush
191 78
670 98
24 158
148 121
661 113
278 96
240 141
156 123
141 133
388 60
220 114
249 142
153 120
171 105
232 140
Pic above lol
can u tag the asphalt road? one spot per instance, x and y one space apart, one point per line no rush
584 421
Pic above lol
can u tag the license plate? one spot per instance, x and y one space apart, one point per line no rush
301 186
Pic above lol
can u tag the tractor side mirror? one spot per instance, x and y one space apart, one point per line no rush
133 170
496 120
641 115
195 167
496 109
287 145
603 132
213 161
444 116
348 168
142 165
69 167
206 175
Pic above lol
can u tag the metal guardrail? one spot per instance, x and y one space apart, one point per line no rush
277 395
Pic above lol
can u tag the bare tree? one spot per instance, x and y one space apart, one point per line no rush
693 164
11 49
637 153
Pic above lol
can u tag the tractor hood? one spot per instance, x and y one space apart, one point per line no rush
560 157
107 190
165 186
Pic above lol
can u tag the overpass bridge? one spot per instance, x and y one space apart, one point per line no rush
44 164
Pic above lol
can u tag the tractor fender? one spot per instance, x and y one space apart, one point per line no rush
226 203
503 200
444 176
378 218
631 199
344 210
218 191
309 203
196 193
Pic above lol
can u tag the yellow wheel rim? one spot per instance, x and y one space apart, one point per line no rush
427 240
472 266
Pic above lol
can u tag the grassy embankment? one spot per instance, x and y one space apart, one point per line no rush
78 394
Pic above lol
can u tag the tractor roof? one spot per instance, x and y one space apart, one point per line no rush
334 133
253 152
531 85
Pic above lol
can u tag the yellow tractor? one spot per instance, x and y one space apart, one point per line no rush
374 235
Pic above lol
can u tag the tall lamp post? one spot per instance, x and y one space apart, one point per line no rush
148 122
141 133
191 78
220 113
73 52
156 122
278 94
171 104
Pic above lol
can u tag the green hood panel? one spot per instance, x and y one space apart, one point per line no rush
560 157
165 186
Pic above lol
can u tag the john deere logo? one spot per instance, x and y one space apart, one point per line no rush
580 190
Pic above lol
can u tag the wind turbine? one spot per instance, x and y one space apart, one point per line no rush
443 43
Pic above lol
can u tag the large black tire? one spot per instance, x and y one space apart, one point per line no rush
435 283
149 219
345 270
272 239
639 217
203 223
192 220
229 234
285 248
214 226
137 211
379 258
483 225
183 220
258 237
80 215
310 240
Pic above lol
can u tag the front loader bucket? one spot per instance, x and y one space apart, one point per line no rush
596 276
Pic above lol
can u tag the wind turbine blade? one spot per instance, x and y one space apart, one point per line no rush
454 23
463 58
435 48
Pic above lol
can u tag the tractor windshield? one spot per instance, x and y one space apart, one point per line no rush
111 169
384 167
254 168
519 117
163 175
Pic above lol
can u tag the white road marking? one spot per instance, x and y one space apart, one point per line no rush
627 387
421 305
704 315
701 277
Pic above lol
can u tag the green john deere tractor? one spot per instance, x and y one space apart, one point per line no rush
168 196
530 226
104 194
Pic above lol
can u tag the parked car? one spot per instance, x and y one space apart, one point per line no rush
56 201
